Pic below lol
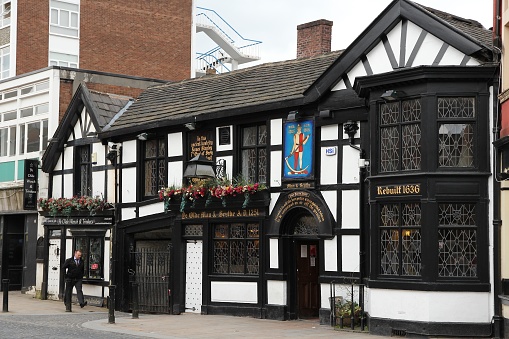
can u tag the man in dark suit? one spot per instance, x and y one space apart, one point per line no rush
74 278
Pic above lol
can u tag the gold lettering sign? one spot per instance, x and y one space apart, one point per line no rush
202 144
251 212
301 199
409 189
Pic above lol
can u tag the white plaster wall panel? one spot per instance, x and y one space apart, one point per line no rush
128 213
276 132
339 86
274 252
357 134
331 199
9 106
275 168
129 152
340 291
329 132
69 250
63 44
350 253
331 254
100 151
227 147
33 100
276 292
329 166
273 200
394 38
175 173
92 290
350 165
106 256
229 165
57 186
412 34
428 51
350 209
128 185
234 291
77 132
67 191
452 57
98 182
379 60
111 186
151 209
58 166
175 144
357 71
473 62
68 157
430 306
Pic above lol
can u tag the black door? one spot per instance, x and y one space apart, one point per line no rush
12 253
308 292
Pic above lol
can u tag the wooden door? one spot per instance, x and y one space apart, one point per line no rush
308 292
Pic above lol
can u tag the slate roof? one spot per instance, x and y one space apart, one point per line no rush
270 85
107 105
470 27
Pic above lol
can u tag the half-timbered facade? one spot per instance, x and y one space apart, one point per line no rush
377 165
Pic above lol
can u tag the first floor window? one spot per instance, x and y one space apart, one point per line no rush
5 62
91 248
8 141
83 171
33 136
254 153
154 160
236 248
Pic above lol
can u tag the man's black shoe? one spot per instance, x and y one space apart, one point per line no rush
84 304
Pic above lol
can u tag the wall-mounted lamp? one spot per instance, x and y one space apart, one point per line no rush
145 136
392 95
326 114
114 150
293 116
351 129
190 126
201 167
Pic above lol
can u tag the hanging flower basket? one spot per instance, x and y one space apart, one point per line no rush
73 206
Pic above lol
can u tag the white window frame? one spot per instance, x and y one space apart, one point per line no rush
61 18
5 14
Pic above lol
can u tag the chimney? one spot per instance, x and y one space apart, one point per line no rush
314 38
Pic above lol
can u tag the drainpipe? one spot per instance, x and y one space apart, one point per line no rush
498 320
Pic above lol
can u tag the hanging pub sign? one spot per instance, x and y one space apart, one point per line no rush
298 157
30 185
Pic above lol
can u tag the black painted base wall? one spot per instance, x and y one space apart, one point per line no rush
239 311
506 328
416 329
324 315
276 312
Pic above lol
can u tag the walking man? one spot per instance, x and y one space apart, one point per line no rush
74 278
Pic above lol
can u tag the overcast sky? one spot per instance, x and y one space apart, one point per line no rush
274 22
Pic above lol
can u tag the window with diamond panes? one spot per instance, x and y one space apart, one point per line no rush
400 239
236 248
254 153
154 162
83 174
457 241
456 128
400 136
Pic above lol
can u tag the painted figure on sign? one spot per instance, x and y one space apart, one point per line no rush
298 144
299 140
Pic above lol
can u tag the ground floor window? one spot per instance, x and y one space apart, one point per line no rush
236 248
92 255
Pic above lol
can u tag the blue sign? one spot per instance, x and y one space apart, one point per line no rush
298 149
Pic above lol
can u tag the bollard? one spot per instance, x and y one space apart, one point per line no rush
111 306
135 301
5 288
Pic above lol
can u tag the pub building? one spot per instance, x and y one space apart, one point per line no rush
372 167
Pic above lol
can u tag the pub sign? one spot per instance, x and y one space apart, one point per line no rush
298 141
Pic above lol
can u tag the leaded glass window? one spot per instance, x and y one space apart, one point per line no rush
83 174
400 239
154 152
254 153
457 240
92 255
306 225
236 248
400 136
456 131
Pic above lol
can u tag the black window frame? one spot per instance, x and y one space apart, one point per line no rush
254 178
82 177
160 159
86 255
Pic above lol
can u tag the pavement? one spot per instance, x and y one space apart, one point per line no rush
187 325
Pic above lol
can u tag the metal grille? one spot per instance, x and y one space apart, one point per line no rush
400 222
389 137
456 145
193 230
457 247
456 107
389 113
236 248
306 225
411 147
152 273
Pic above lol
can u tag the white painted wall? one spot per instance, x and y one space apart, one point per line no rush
430 306
274 252
350 209
128 190
276 292
234 291
129 151
331 199
151 209
98 182
276 131
350 166
331 254
128 213
175 173
329 168
273 200
350 247
357 71
67 191
175 144
57 186
275 168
